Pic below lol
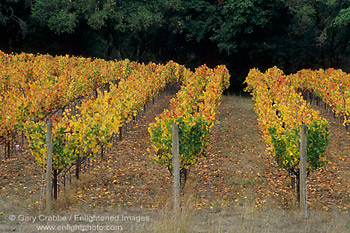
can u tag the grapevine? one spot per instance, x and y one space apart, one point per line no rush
194 109
281 110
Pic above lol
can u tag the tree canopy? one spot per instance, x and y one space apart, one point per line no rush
291 34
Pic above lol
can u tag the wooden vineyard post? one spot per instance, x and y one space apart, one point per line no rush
176 167
77 166
49 166
303 146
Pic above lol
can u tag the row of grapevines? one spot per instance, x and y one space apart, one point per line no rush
194 109
32 86
281 110
99 119
332 86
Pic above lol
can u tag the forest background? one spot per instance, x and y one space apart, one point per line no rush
292 34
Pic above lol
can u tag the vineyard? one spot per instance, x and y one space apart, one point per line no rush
92 124
112 123
281 110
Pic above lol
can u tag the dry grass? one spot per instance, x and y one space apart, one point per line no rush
246 218
67 196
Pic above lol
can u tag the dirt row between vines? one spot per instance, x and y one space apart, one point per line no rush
236 187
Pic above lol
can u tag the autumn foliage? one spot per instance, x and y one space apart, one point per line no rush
35 86
281 110
331 85
99 118
110 94
194 109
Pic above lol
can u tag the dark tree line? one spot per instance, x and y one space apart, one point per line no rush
291 34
